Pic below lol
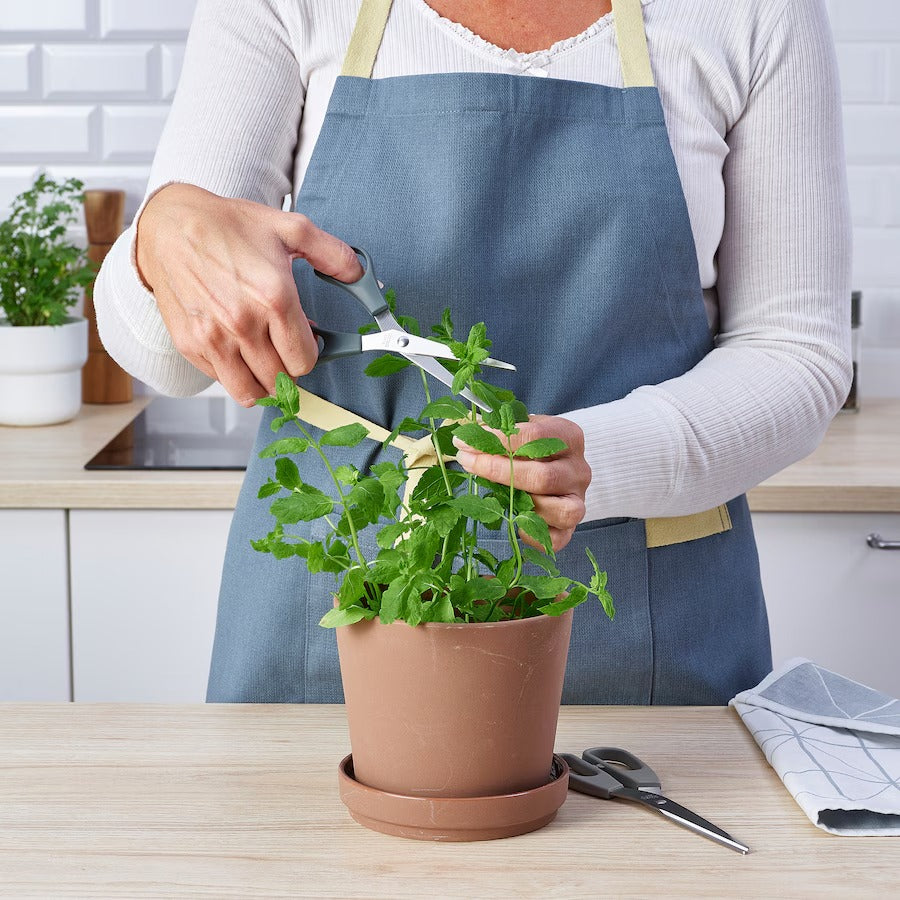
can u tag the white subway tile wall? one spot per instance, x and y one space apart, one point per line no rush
85 87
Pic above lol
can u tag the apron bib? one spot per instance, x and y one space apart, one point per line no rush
553 211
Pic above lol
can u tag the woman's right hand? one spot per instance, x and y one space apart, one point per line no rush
220 270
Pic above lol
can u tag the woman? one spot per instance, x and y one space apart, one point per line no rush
668 269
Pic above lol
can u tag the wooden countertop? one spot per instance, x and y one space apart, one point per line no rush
856 469
242 801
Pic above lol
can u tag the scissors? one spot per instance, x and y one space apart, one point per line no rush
392 336
613 773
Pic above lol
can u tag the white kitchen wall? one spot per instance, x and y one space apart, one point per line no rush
85 87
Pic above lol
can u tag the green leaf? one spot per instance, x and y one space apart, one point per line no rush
544 587
422 546
431 488
344 436
508 420
288 395
387 364
540 448
481 509
445 329
506 570
386 568
574 598
349 615
536 528
367 497
439 610
392 477
445 408
303 505
478 589
287 473
347 474
541 560
284 445
481 439
443 517
267 401
462 377
522 501
353 588
268 489
388 535
486 558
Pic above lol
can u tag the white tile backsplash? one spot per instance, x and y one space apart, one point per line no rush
131 133
45 131
85 87
44 16
119 18
96 71
15 70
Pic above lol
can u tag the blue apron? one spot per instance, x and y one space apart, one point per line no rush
553 211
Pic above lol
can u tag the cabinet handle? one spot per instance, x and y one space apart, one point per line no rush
877 542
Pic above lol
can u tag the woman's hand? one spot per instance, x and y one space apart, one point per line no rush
557 484
220 270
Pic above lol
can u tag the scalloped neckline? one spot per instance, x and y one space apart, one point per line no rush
478 43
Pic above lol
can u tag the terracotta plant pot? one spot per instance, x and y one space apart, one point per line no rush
454 710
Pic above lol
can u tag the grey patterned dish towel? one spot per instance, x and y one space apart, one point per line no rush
835 744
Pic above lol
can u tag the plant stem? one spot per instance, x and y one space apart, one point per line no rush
353 537
513 536
434 443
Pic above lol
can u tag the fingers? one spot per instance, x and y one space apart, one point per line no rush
323 251
220 270
557 484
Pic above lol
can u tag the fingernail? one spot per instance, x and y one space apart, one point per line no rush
459 442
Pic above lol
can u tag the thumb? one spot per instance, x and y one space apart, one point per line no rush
323 251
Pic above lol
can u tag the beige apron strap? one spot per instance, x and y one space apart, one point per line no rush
679 529
632 39
327 415
366 38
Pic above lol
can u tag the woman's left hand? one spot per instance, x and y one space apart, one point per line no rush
557 484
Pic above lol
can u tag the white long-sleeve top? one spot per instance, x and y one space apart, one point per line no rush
751 99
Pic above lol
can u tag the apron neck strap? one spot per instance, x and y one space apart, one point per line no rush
632 39
366 38
359 60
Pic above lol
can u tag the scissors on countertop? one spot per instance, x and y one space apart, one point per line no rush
392 336
613 773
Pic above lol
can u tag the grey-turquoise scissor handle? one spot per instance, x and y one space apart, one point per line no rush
589 779
630 770
334 344
365 289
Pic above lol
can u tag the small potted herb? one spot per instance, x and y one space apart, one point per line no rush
42 347
452 655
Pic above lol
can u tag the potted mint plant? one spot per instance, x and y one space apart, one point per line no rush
452 656
42 346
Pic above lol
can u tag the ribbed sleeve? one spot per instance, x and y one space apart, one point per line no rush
764 397
751 100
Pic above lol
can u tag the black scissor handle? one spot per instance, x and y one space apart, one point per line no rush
629 769
365 289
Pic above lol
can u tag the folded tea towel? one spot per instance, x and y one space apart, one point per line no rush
835 744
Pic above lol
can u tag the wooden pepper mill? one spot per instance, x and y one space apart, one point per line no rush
102 380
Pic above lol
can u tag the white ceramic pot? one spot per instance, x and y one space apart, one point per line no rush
40 372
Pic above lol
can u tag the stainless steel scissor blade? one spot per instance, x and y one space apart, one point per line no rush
393 337
680 815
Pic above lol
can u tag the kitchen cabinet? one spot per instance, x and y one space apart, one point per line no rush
34 605
145 586
831 597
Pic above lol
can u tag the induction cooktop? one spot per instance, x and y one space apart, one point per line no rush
193 433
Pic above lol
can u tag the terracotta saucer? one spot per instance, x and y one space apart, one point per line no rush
454 818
